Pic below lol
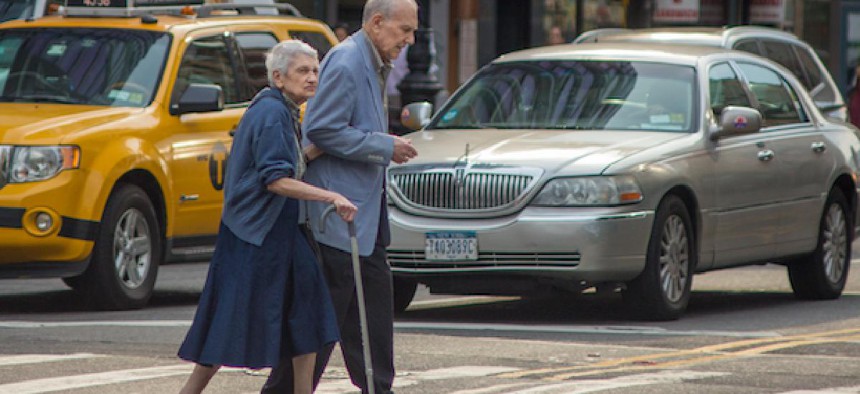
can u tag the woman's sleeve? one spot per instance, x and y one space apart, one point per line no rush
274 154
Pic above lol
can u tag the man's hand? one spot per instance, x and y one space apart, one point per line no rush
403 150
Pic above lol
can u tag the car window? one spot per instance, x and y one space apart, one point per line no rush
253 48
114 67
783 54
207 61
315 39
820 90
588 95
750 46
725 88
777 102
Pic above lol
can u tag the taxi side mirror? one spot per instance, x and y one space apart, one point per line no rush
736 121
199 97
416 115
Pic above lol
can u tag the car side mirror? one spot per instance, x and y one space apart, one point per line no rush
416 115
736 121
199 97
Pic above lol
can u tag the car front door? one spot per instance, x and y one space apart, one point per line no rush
802 152
746 212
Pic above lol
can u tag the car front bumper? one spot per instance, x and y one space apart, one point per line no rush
588 245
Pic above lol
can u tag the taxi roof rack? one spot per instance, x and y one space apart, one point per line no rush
136 8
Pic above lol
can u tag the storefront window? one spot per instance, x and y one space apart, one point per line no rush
562 14
559 15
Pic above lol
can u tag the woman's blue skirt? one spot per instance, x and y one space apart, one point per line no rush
261 303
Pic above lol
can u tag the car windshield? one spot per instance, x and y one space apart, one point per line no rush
16 9
109 67
580 95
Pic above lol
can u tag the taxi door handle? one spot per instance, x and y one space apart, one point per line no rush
765 155
818 147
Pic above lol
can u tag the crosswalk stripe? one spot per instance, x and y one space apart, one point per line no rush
596 385
48 385
18 359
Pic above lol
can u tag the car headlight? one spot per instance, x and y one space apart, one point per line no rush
37 163
586 191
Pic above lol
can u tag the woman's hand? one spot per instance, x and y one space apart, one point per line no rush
345 209
312 152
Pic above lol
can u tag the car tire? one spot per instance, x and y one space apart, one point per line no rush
822 275
126 254
662 290
74 282
404 292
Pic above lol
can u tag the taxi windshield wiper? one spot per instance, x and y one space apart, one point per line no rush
41 98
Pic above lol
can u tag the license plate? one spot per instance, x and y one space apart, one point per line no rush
451 246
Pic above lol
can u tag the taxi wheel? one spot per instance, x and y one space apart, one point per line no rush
126 254
404 291
662 290
822 275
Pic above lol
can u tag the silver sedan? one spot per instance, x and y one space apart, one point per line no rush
623 167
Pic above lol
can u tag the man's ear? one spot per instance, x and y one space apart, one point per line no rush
376 20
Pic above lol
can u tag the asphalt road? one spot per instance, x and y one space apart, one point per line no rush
743 333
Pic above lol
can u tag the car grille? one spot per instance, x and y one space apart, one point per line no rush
463 189
413 261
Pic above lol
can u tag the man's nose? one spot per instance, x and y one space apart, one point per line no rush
410 39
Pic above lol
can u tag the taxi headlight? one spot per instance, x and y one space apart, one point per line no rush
37 163
589 191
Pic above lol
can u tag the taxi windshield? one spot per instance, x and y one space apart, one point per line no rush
109 67
575 95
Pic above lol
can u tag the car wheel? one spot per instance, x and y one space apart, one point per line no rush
822 275
404 291
126 254
662 290
73 282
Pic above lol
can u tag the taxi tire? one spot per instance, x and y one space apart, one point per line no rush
809 276
404 292
100 282
646 297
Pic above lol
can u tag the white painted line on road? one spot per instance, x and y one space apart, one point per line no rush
106 323
625 330
19 359
457 301
833 390
595 385
463 371
566 329
499 388
48 385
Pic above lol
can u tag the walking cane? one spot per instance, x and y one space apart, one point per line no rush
359 290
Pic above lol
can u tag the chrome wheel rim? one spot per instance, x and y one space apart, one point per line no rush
132 248
674 259
835 243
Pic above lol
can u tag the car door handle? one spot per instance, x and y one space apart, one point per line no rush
765 155
818 147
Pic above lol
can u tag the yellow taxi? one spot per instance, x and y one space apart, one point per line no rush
115 129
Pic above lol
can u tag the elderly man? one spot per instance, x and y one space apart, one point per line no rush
347 120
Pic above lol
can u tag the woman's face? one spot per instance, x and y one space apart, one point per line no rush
300 81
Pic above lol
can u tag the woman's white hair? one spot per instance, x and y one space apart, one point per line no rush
384 7
281 56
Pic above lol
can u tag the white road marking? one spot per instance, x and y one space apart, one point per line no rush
48 385
569 329
18 359
565 329
500 388
595 385
463 371
833 390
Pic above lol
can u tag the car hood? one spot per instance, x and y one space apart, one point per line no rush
51 123
574 152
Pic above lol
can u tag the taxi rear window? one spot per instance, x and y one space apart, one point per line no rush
108 67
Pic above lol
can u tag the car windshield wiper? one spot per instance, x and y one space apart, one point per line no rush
42 99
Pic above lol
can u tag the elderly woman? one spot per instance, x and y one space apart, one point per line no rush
265 295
